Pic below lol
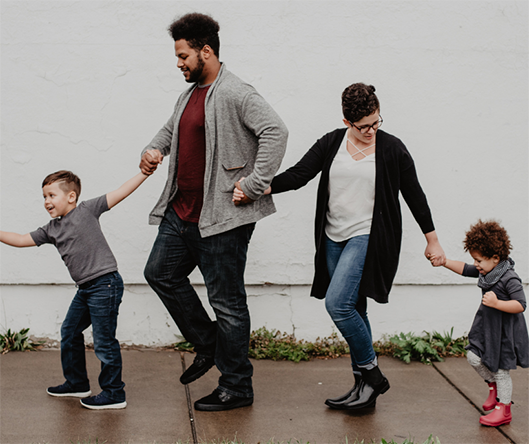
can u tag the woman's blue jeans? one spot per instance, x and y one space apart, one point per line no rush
345 262
178 250
97 303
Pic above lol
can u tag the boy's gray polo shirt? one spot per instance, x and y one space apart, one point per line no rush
80 241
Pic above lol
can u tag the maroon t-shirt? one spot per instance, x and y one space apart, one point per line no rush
191 158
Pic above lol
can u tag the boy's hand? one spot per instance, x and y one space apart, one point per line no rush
490 299
150 161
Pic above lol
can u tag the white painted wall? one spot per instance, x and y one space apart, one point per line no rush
85 85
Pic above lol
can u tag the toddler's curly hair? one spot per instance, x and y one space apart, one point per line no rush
489 238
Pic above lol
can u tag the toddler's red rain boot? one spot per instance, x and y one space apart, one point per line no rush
500 415
491 402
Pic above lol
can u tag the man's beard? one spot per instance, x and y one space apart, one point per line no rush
195 74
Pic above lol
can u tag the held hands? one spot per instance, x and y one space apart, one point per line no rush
239 198
490 299
436 261
434 252
150 161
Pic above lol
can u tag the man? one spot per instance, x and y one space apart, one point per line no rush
221 130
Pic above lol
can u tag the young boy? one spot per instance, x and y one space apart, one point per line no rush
76 233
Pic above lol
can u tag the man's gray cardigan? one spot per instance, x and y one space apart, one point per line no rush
244 138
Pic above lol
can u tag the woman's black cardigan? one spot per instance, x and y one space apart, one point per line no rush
395 171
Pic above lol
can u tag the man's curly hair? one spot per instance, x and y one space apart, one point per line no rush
489 238
358 101
198 30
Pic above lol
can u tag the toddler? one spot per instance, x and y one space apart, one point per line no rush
76 233
498 339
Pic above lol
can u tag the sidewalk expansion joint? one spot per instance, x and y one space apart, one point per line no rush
189 403
470 401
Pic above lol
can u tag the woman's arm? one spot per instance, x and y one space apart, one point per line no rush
299 174
17 240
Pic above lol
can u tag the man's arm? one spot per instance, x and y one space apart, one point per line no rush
125 190
17 240
259 117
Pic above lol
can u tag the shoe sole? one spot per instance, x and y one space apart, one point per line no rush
497 424
221 408
73 395
119 405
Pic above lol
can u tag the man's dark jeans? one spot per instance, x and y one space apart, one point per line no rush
221 259
97 303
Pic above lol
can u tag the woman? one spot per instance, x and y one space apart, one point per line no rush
358 227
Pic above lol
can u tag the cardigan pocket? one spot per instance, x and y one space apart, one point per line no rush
231 173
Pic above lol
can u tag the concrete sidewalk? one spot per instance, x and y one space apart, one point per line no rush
423 400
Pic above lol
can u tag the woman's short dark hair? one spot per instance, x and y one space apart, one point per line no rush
198 30
66 180
358 101
488 238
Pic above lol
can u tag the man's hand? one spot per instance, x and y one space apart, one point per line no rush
150 161
239 198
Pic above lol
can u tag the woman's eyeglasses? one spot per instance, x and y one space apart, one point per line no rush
365 128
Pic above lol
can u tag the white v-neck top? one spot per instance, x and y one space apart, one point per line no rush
351 195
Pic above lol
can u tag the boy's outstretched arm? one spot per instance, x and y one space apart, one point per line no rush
115 197
17 240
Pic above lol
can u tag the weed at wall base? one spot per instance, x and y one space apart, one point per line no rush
266 344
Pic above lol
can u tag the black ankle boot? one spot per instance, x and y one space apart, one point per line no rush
351 395
373 383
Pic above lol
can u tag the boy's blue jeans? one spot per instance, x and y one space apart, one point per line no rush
97 303
177 251
345 262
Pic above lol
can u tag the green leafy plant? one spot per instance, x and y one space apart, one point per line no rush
266 344
426 348
184 346
17 341
275 345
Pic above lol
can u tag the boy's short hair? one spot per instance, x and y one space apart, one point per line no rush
489 238
358 101
198 30
67 180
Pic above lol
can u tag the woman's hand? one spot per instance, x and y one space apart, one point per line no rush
239 198
434 252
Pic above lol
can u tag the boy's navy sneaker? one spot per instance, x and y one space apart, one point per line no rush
100 402
66 390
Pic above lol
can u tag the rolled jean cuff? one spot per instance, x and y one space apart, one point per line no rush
370 365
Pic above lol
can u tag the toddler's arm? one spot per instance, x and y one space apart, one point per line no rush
17 240
490 300
125 190
455 266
